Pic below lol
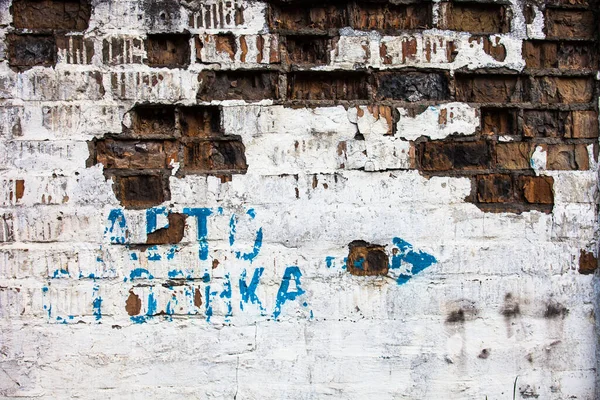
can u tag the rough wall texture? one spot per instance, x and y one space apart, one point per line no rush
266 200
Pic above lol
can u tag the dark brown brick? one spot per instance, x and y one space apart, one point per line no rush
200 121
545 123
577 56
585 124
472 155
552 90
302 17
570 24
308 49
447 155
327 86
389 18
366 259
537 189
513 156
237 85
221 156
149 120
170 50
411 86
170 235
488 89
539 54
588 263
498 121
475 17
567 157
494 189
141 191
136 154
69 15
26 51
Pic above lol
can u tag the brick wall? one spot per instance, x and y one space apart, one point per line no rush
299 199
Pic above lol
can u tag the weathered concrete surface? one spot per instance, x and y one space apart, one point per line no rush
249 200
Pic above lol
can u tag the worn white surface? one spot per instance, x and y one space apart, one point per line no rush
311 188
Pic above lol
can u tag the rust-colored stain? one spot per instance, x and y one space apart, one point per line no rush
197 298
133 305
19 188
588 263
215 263
366 259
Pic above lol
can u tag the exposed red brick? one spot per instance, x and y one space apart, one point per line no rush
546 123
514 155
537 189
367 259
411 86
153 120
475 17
133 304
570 24
307 49
588 263
141 191
200 121
170 235
495 189
552 89
498 121
72 15
567 157
224 156
237 85
448 155
19 189
585 124
26 51
488 89
136 154
327 86
170 50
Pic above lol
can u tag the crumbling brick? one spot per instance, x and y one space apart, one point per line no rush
71 15
411 86
513 156
327 86
307 49
215 157
26 51
498 121
567 157
570 23
153 120
238 85
495 189
537 189
450 155
488 89
168 50
588 263
136 154
475 17
200 121
141 191
365 259
585 125
545 123
553 90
